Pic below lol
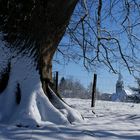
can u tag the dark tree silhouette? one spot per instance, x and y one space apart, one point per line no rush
30 32
136 96
36 26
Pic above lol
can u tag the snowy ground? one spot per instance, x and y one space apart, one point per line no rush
112 121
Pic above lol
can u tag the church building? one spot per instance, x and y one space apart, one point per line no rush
120 94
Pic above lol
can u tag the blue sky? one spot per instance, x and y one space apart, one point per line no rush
105 81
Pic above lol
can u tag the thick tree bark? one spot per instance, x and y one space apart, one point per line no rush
59 17
36 25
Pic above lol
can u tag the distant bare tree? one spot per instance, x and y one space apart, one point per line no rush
136 96
68 87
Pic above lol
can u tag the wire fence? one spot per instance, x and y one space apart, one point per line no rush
104 84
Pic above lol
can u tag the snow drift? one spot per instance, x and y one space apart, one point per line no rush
33 106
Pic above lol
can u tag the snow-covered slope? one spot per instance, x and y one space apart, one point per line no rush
111 121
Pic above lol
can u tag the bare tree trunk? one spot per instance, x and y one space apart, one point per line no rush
22 98
45 69
59 19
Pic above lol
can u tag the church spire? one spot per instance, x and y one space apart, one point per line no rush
120 78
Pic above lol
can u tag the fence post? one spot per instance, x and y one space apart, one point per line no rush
94 91
56 83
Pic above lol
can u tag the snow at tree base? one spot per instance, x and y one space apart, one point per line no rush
34 107
111 121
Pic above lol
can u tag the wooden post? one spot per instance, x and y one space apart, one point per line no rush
94 91
56 82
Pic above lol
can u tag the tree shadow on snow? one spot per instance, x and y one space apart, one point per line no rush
103 134
63 133
44 133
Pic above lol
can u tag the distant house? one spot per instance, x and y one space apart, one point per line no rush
105 96
135 97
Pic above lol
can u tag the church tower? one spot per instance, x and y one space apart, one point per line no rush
120 94
119 84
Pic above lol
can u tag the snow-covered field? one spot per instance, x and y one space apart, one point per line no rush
111 121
